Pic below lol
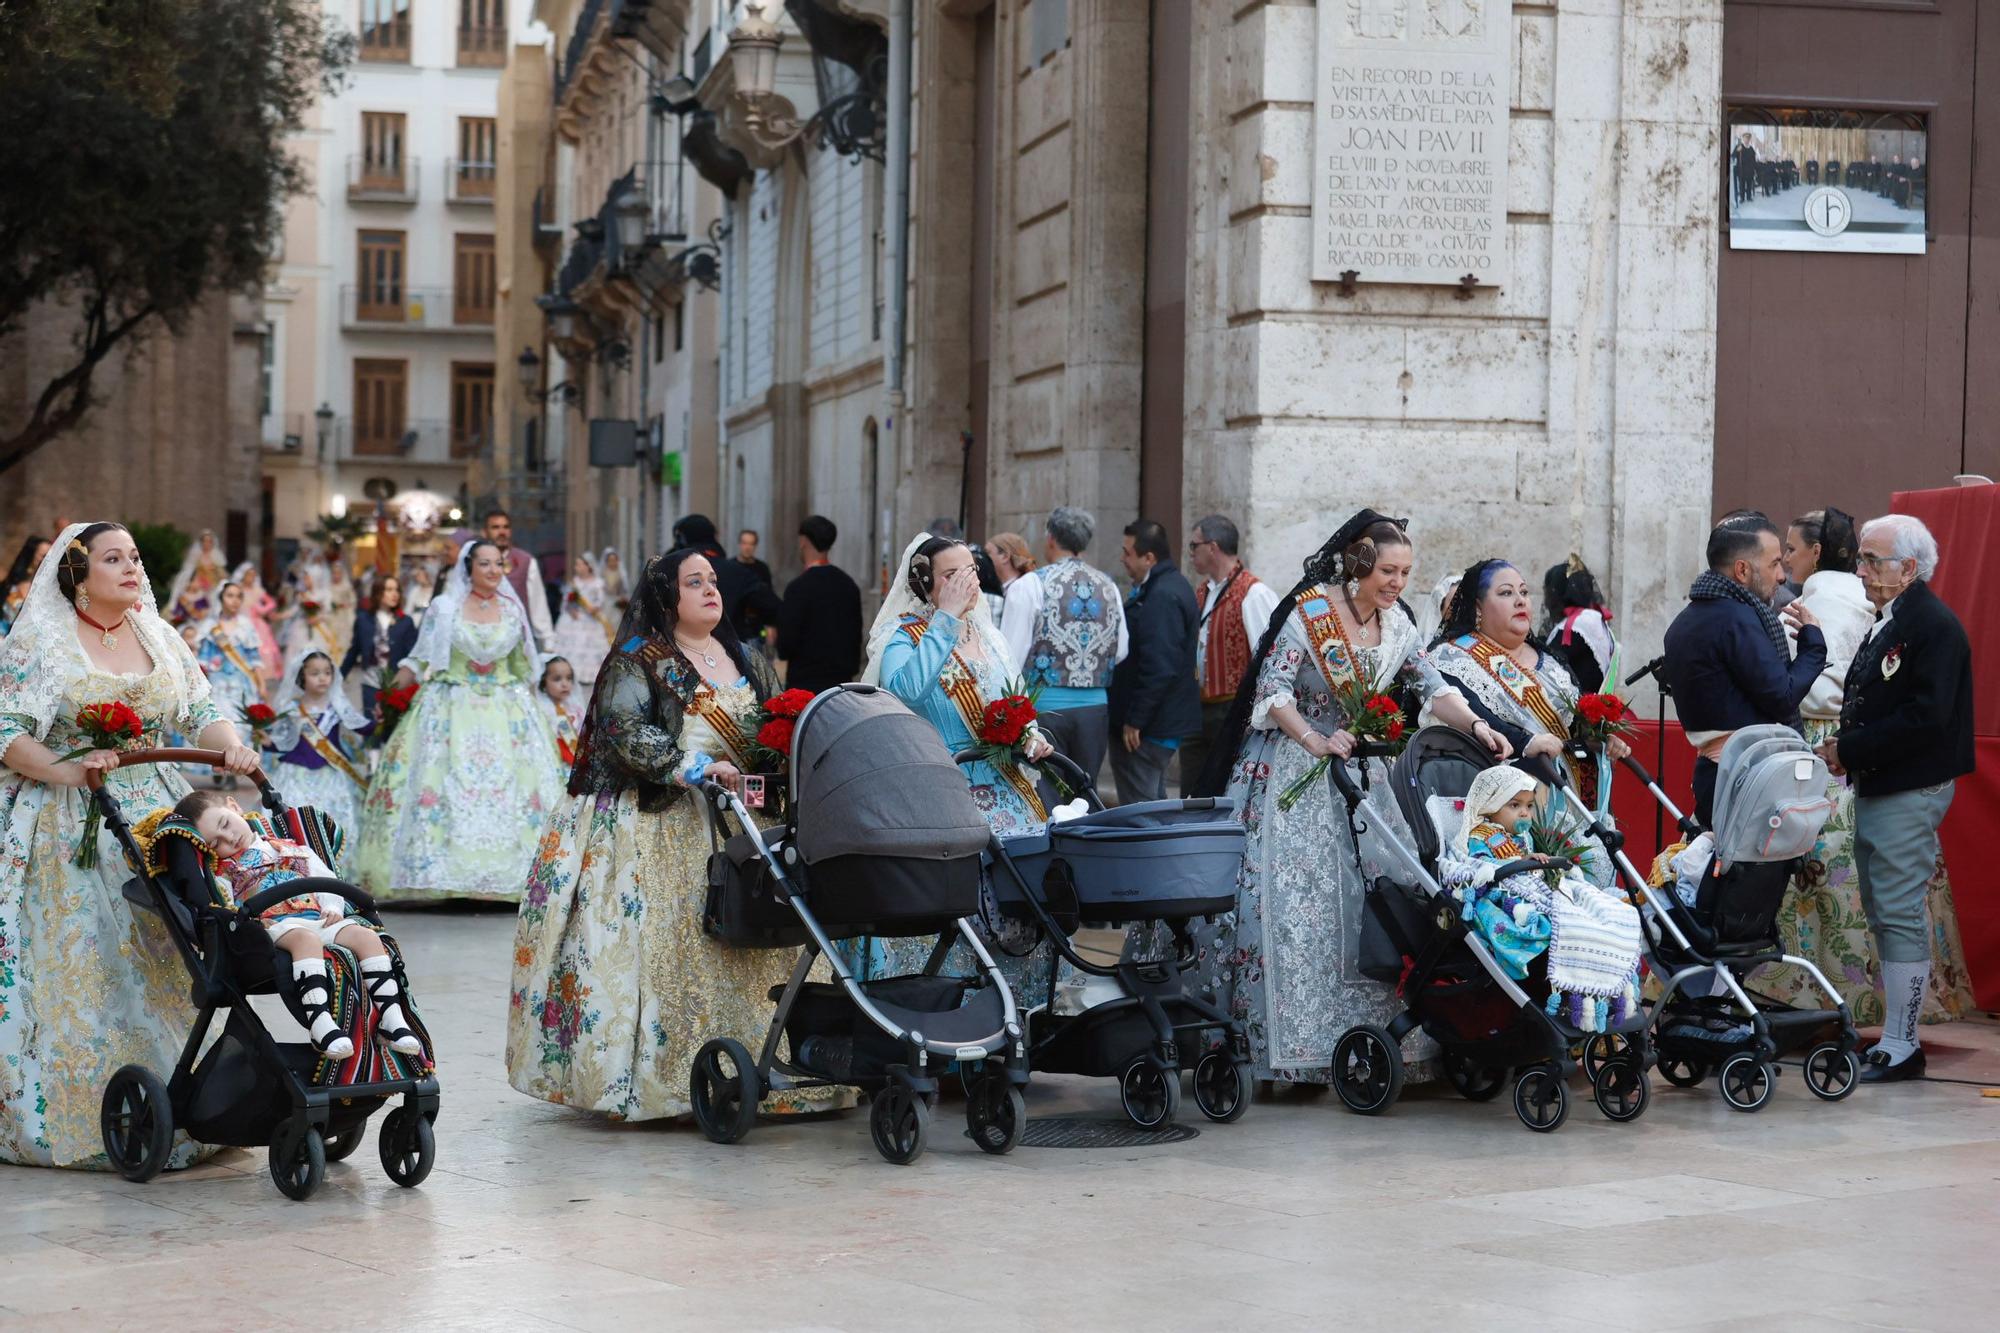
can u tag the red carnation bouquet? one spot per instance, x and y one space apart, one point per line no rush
394 704
1006 724
1376 719
258 719
112 726
1599 717
770 727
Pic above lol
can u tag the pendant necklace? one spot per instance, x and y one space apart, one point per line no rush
108 633
708 658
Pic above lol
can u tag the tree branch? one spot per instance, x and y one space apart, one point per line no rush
67 397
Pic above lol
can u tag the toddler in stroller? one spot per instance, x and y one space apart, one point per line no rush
300 925
246 1089
1491 1017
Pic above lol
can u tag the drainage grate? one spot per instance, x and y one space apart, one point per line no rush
1079 1132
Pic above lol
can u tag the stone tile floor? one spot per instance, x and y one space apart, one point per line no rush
1880 1212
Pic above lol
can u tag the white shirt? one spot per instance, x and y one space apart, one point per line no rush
1845 619
1258 605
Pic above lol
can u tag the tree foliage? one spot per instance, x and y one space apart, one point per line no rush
142 143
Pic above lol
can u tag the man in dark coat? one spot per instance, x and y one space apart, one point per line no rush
1905 738
1155 700
1727 659
819 627
751 606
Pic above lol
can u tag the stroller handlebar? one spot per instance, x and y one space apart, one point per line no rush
133 758
1071 773
258 903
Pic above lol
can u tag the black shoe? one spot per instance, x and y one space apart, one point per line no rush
1877 1069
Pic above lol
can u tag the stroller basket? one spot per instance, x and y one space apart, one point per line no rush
1155 861
844 1043
849 896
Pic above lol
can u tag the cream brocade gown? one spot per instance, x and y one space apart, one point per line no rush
615 986
87 982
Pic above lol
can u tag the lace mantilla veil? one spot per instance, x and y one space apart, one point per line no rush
901 602
41 658
440 624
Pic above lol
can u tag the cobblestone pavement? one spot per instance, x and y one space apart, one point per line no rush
1878 1212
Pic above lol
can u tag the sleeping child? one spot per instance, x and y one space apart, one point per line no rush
301 926
1591 937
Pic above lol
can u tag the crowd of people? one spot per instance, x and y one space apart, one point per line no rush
494 747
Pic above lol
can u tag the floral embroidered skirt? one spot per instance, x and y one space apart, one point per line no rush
1822 919
615 987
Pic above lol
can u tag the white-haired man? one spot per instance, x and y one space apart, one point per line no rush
1905 737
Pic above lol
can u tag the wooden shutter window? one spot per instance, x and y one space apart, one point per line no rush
379 297
385 30
471 407
473 279
381 404
478 139
382 151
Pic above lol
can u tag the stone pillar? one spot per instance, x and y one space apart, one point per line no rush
1571 410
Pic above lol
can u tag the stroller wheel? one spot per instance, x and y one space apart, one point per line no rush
1621 1090
1474 1083
138 1123
1221 1086
723 1088
1832 1070
995 1112
1367 1069
1747 1082
408 1146
1541 1100
1683 1072
341 1143
1601 1050
298 1160
897 1120
1151 1095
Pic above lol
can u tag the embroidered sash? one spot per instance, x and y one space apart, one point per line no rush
961 685
323 746
1522 686
728 729
235 656
1332 650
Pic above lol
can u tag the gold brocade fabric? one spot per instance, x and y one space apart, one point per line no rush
615 987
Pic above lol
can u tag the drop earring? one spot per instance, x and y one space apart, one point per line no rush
82 600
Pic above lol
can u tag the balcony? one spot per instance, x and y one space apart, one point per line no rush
482 46
590 66
389 308
547 235
374 180
417 441
469 183
386 41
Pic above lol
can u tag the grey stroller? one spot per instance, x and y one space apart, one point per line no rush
880 838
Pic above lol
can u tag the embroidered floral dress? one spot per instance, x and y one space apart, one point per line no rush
583 634
1287 961
231 655
926 667
615 987
87 984
468 781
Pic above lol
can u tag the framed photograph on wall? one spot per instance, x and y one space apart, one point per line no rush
1809 178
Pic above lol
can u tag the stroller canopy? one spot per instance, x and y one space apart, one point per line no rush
871 778
1438 762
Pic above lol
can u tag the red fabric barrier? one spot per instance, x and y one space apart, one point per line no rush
1969 833
1966 522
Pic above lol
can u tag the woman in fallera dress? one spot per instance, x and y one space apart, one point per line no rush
583 633
231 655
615 986
1289 960
469 777
86 983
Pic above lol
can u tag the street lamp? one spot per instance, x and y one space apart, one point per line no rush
628 214
529 367
323 421
851 123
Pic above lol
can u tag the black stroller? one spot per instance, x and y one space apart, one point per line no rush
250 1090
1170 862
1413 936
880 838
1770 806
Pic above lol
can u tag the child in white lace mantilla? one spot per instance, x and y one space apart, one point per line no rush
1591 937
301 926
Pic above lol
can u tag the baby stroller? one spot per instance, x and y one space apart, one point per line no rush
1770 805
1413 934
250 1090
1170 862
880 838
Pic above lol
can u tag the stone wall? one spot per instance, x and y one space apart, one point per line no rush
1572 410
172 438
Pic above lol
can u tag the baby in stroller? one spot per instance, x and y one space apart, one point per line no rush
301 926
1592 938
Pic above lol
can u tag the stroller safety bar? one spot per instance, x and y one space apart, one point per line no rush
134 758
268 898
724 799
1071 773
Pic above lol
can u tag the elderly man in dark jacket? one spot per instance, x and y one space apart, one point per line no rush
1905 738
1726 655
1155 700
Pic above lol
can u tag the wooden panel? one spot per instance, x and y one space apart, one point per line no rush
472 279
381 404
379 293
1839 377
471 408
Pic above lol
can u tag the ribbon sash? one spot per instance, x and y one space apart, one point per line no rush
1522 686
1332 650
235 656
725 727
323 746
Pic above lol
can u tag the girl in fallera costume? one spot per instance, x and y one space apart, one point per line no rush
316 740
558 691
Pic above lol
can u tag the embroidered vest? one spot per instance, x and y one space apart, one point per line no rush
1227 654
1075 642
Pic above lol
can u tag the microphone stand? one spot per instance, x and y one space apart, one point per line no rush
1652 669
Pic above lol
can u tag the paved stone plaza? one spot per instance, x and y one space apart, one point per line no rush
1441 1214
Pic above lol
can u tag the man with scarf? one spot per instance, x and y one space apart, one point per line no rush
1727 660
